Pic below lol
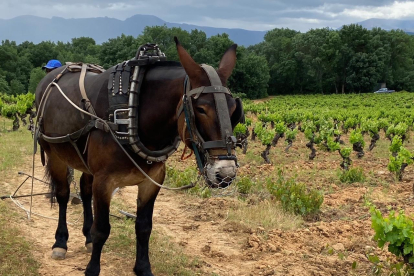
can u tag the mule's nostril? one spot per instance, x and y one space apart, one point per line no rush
223 181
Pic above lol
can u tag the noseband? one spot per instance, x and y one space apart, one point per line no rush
200 146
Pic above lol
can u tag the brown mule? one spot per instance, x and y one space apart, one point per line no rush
107 166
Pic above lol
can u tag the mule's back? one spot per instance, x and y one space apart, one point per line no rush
59 117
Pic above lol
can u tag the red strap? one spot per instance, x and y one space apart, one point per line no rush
183 157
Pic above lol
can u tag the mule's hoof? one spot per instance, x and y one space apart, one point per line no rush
58 253
89 247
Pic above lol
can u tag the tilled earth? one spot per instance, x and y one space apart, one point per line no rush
335 243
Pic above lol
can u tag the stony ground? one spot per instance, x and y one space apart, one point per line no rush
335 243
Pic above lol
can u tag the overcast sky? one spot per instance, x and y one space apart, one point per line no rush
246 14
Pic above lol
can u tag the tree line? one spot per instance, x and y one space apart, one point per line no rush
352 59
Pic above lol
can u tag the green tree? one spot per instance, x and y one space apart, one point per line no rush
42 53
84 49
116 50
16 87
321 49
198 40
401 60
23 67
214 49
35 76
4 86
251 75
164 37
356 66
278 49
8 60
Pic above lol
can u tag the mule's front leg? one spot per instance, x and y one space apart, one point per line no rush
100 228
143 225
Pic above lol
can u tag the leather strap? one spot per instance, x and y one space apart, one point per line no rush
100 125
208 89
85 98
74 136
77 67
212 75
221 102
214 144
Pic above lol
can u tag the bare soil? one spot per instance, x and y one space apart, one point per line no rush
337 243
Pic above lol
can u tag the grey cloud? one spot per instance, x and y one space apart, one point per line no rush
248 14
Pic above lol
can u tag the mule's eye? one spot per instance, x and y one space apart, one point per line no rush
201 110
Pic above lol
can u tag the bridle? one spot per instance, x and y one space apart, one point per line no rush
227 142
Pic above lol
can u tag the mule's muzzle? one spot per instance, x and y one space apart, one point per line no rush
221 173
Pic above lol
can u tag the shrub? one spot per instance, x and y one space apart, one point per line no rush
244 185
346 152
295 197
356 137
239 129
400 157
332 144
396 144
178 178
396 230
352 175
290 134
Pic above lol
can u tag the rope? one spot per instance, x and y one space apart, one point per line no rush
31 192
29 213
116 140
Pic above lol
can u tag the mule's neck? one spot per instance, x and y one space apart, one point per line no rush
161 92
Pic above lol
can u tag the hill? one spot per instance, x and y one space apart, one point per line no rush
389 24
37 29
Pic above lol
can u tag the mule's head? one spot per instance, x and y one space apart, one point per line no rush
209 116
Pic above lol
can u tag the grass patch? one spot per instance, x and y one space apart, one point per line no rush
267 214
295 197
353 175
244 185
179 178
166 257
253 158
14 145
15 255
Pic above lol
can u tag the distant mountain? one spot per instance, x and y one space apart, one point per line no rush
389 24
37 29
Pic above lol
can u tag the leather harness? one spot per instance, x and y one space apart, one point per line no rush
131 88
200 146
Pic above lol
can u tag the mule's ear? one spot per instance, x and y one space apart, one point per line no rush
227 63
192 69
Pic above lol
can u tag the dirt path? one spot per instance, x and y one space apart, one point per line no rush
41 231
195 224
201 229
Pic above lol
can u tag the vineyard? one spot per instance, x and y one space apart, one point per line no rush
325 121
17 108
325 187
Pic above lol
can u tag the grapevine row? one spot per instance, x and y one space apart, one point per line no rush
323 120
17 107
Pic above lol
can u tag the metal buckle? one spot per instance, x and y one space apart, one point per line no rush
121 121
